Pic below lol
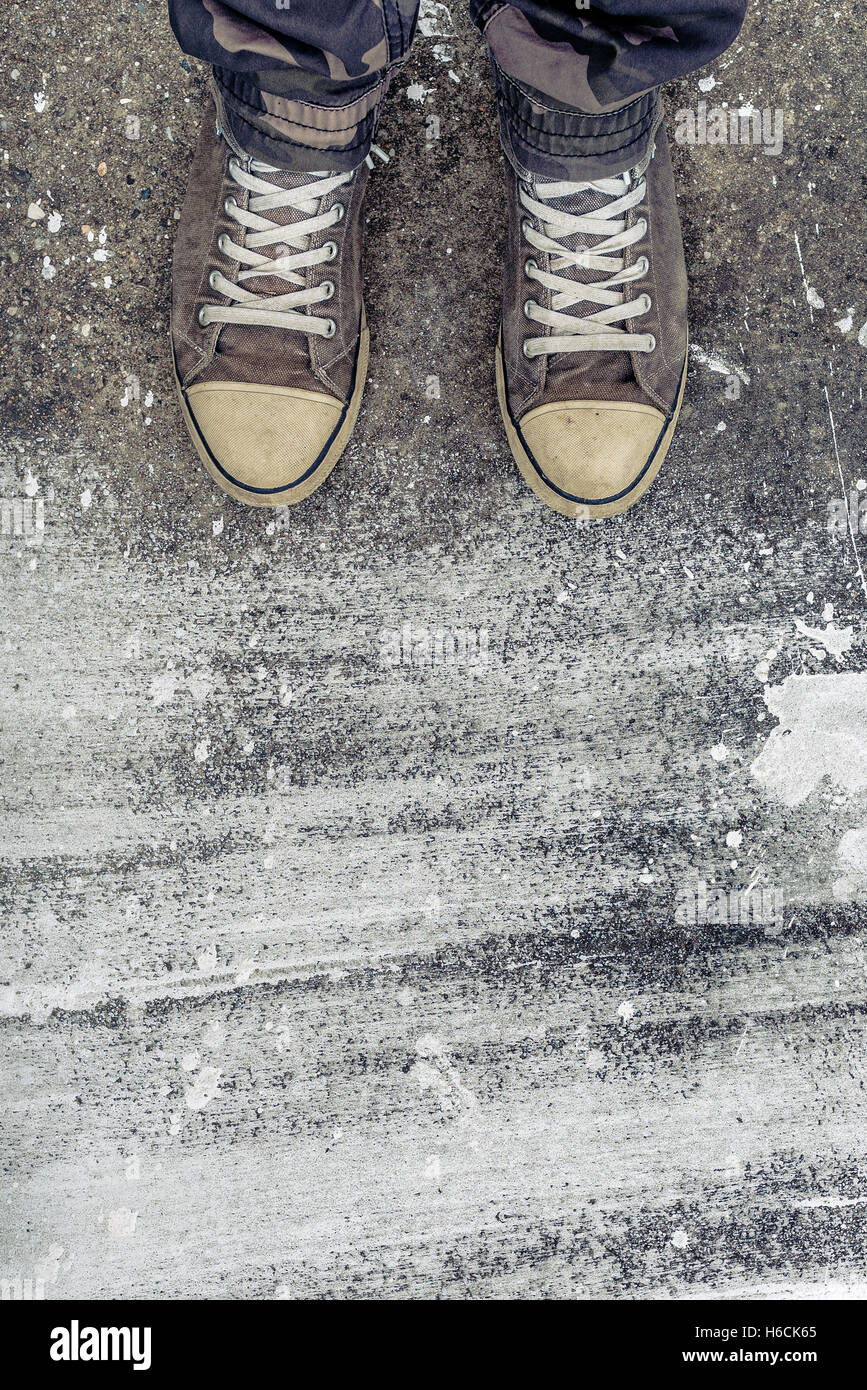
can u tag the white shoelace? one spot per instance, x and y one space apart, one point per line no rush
293 252
597 331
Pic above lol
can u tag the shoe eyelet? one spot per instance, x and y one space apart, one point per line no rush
525 226
222 241
212 279
330 328
524 350
643 265
651 343
529 266
527 304
328 287
340 210
331 248
228 204
202 316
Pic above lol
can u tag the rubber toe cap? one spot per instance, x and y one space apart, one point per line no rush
592 451
263 438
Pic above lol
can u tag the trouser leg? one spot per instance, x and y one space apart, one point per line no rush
577 87
300 83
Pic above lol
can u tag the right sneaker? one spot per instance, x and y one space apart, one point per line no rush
269 339
592 356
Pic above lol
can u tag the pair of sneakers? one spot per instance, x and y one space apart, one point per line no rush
270 342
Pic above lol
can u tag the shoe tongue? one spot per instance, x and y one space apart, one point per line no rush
289 180
263 341
584 202
602 374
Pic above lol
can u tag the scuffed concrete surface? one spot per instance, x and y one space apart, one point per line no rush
327 978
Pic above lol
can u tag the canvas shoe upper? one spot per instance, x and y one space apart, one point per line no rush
268 330
594 336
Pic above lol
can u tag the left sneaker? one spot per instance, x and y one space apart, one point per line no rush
592 355
269 339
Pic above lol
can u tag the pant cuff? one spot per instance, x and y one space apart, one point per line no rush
293 132
564 143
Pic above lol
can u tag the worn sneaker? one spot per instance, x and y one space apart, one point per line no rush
592 355
269 339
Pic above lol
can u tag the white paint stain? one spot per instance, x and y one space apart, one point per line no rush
431 19
163 687
214 1034
121 1222
822 732
244 970
835 640
714 363
203 1089
200 684
852 854
810 294
811 1203
434 1072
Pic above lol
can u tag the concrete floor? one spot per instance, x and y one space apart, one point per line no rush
324 977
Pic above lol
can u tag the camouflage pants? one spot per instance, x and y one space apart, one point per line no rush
302 81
